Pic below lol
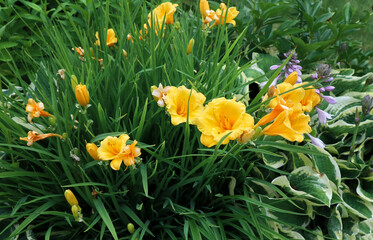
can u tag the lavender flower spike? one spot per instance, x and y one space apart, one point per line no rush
329 99
316 141
323 115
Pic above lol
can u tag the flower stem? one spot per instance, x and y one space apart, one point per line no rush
353 141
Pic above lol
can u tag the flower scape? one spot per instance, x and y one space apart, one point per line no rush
165 124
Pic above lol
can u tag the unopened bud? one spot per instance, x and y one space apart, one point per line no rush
82 95
125 53
92 150
130 228
323 70
271 91
357 115
366 104
190 46
76 211
52 120
177 25
292 78
70 197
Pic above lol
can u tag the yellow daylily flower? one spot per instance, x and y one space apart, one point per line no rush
288 99
117 150
222 116
82 95
226 16
290 124
181 100
35 110
310 99
164 12
110 38
292 78
33 136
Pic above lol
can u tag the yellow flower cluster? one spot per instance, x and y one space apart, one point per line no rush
116 150
219 16
223 120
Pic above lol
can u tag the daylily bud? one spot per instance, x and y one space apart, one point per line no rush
125 53
74 81
190 46
92 150
82 95
292 78
130 228
75 209
177 25
271 91
70 197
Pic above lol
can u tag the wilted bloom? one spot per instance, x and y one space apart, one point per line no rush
61 72
35 110
129 37
323 115
70 198
159 94
180 101
79 50
190 46
33 136
221 117
110 38
290 124
82 95
117 150
316 141
226 16
125 53
92 150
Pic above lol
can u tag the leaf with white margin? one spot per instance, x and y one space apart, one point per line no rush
335 225
274 161
31 127
357 205
327 164
305 181
366 227
365 188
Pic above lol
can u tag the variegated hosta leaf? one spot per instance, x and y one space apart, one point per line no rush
348 169
350 228
335 226
327 164
344 83
257 186
366 228
344 116
300 160
274 161
306 182
365 188
357 205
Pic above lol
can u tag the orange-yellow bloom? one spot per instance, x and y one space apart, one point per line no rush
164 12
221 117
82 95
117 150
33 136
310 99
35 110
92 150
180 101
226 16
110 38
290 124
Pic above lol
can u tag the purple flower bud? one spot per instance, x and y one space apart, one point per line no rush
329 88
273 67
322 89
366 104
323 115
323 70
329 79
316 141
317 91
314 76
329 99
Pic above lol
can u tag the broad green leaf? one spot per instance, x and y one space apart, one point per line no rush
327 164
357 205
100 207
274 161
335 224
365 188
304 181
